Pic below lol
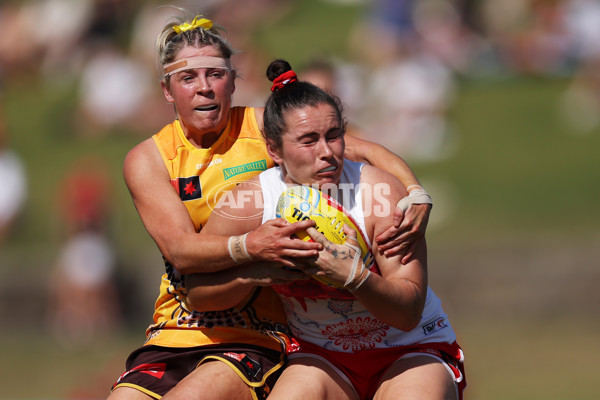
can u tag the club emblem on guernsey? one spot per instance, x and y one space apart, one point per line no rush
188 188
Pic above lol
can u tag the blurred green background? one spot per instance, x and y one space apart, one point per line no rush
514 240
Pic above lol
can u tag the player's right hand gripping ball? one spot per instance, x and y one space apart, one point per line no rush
298 203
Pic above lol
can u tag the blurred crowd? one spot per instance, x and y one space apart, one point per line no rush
405 59
106 49
399 78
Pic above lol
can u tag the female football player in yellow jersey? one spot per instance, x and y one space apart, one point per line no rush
176 178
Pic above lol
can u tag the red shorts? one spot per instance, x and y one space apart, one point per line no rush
154 370
350 366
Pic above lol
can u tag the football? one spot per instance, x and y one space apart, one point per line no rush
298 203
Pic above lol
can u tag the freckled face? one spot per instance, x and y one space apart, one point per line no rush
202 96
312 149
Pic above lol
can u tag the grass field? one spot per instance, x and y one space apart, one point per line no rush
515 256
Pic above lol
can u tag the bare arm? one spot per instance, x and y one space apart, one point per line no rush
167 221
399 293
397 297
406 228
224 289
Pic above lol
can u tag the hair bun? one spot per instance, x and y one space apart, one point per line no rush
280 73
277 67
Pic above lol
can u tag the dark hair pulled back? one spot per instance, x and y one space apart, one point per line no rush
292 96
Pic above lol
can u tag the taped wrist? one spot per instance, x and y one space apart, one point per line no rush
359 273
416 195
237 249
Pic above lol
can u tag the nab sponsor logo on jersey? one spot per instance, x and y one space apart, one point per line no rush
188 188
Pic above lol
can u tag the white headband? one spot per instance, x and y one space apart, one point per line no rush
197 62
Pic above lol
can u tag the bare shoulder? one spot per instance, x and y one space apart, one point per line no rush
381 191
143 159
145 151
372 176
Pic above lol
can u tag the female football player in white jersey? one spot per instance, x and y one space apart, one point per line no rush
376 329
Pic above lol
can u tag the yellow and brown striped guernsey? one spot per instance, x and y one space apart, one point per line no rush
200 177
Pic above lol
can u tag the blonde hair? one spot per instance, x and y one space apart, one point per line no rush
169 42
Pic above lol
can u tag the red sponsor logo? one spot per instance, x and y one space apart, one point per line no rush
156 370
236 356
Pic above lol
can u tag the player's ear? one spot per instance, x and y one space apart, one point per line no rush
274 151
167 91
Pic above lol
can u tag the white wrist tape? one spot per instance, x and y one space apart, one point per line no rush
415 196
358 274
237 249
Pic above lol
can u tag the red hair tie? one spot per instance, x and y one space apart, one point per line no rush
283 79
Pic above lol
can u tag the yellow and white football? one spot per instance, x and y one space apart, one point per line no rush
298 203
